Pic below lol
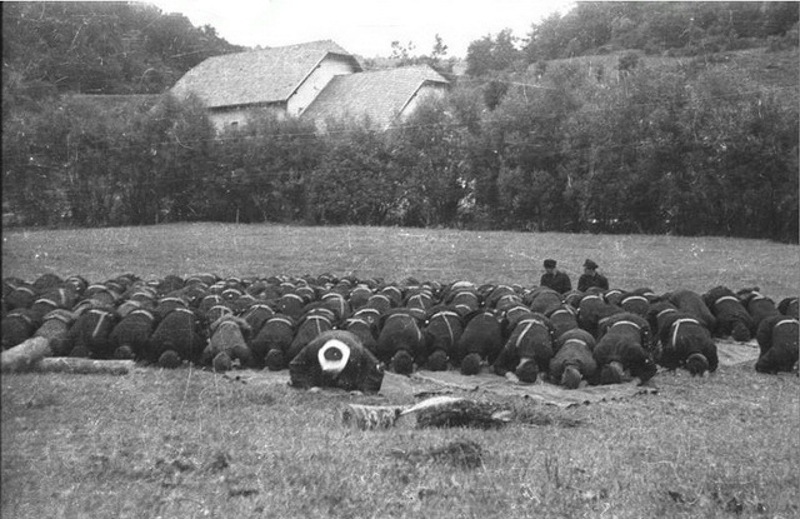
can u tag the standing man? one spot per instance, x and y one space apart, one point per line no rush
591 278
554 278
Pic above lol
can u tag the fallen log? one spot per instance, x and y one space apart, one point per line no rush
463 413
369 417
84 366
440 411
24 356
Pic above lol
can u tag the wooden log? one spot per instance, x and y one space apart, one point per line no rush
84 366
370 417
440 411
463 413
22 357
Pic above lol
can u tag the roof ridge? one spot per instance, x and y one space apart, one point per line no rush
381 94
309 44
259 76
416 68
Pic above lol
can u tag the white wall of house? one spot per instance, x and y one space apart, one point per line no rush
316 81
426 91
224 119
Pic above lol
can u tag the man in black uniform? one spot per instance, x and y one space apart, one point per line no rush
554 278
336 358
591 278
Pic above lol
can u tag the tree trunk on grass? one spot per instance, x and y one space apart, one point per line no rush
24 356
462 413
439 411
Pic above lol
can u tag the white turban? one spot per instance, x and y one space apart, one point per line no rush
333 356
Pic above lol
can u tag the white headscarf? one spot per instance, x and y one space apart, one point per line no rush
334 366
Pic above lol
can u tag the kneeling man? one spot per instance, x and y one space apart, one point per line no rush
336 358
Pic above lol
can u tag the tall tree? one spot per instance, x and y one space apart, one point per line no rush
101 47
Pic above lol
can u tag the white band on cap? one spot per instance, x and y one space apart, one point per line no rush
727 298
635 297
333 366
445 313
665 311
785 321
677 324
631 323
564 310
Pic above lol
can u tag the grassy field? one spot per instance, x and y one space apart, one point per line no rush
660 262
189 443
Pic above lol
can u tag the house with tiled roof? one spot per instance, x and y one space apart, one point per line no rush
280 79
385 97
316 80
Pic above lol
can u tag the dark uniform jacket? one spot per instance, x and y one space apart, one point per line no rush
778 340
588 281
558 281
363 372
574 348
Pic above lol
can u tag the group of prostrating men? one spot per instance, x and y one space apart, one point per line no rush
346 331
594 334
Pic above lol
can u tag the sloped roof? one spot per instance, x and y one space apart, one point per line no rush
263 76
381 95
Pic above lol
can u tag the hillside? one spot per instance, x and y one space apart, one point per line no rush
631 141
779 69
98 48
135 48
673 28
760 68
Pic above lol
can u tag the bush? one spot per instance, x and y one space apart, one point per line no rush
790 40
699 143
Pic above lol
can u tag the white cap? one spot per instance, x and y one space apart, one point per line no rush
333 356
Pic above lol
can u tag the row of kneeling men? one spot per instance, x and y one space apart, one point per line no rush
600 336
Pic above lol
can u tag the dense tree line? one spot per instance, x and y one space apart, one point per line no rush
536 145
98 48
684 150
671 28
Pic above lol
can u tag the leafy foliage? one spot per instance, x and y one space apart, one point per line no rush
704 145
354 182
680 28
492 54
688 150
100 47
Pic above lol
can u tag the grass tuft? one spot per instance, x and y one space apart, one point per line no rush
462 454
542 417
219 461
